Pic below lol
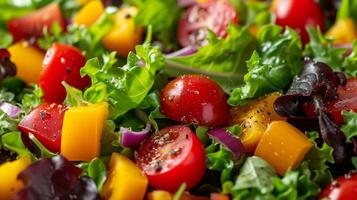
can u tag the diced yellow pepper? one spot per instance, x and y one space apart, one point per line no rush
124 35
82 1
283 146
9 184
344 31
159 195
254 119
125 180
89 14
28 60
82 131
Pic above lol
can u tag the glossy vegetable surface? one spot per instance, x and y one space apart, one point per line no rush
45 123
195 99
62 63
172 156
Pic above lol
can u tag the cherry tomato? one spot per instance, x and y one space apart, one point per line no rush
172 156
347 101
124 35
298 14
32 25
214 15
45 123
62 63
344 188
195 99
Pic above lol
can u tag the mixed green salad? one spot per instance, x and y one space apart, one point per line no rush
178 99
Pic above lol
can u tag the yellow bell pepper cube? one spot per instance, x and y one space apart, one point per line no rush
159 195
82 131
9 184
283 146
254 119
28 60
344 31
124 35
125 180
89 14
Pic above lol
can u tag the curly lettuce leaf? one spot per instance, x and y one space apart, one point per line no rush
163 16
123 87
222 59
272 66
257 180
317 159
350 126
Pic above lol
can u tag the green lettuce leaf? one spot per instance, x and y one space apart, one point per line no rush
123 87
272 67
162 16
88 40
98 172
257 180
350 126
222 59
12 141
317 160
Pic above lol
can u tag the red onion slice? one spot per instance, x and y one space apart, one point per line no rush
232 143
11 110
132 139
183 52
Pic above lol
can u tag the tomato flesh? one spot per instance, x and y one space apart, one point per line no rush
62 63
45 123
347 101
33 25
298 14
195 99
344 188
172 156
214 15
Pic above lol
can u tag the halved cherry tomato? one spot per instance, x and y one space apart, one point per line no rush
45 123
195 99
32 25
62 63
214 15
347 100
298 14
172 156
344 188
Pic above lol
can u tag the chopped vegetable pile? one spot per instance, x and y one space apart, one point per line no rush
178 99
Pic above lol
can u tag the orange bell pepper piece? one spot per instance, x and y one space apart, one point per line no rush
28 60
344 31
82 130
89 13
283 146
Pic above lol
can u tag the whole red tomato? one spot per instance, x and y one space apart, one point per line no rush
214 15
172 156
33 25
298 14
45 123
344 188
195 99
62 63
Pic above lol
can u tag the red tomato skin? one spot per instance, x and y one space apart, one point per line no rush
214 15
344 188
33 24
298 14
45 123
189 169
195 99
347 101
62 63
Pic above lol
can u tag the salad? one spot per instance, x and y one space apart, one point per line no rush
178 99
